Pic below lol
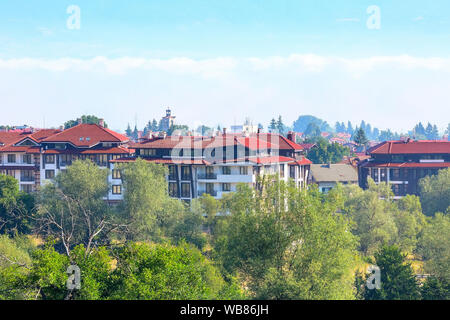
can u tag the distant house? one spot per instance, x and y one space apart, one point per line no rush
307 146
337 140
326 176
401 164
343 135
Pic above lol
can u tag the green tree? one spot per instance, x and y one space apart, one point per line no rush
90 119
280 125
373 219
435 192
163 272
272 125
397 277
313 130
410 221
434 246
15 263
129 132
145 195
189 225
286 243
360 137
324 152
15 207
435 288
73 210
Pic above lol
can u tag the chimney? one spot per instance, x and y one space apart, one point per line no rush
101 122
79 121
224 131
259 130
290 136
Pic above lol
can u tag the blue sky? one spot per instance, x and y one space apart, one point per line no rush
221 61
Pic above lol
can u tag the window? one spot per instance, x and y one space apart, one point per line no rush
49 174
210 188
398 189
172 173
292 172
173 189
65 159
185 173
395 174
49 158
26 175
11 158
226 170
117 189
243 170
27 158
185 190
226 186
282 170
326 189
148 152
398 158
116 174
28 188
102 159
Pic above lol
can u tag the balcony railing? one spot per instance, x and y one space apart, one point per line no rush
211 193
27 179
208 176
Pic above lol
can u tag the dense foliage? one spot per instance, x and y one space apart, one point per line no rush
274 241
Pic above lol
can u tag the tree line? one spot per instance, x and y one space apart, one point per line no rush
272 241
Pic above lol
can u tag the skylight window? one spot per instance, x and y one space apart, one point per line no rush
88 139
81 138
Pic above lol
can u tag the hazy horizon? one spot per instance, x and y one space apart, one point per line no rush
223 62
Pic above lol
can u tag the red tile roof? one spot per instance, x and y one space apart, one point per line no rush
79 134
164 161
411 147
278 140
407 165
301 162
112 150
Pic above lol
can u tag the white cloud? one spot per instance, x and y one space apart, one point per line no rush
227 89
223 66
419 18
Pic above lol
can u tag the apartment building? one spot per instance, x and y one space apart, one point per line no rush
403 163
216 165
196 165
35 158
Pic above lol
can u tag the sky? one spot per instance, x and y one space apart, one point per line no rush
220 62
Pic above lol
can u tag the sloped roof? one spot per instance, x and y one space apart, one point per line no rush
411 147
333 173
278 140
87 135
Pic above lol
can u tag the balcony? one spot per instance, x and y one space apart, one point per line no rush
207 176
211 193
26 179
